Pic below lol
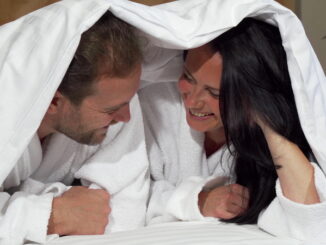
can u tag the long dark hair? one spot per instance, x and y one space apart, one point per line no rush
256 82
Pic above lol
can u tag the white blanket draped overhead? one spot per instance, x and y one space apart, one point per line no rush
44 45
187 24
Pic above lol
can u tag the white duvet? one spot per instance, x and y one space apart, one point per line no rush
44 42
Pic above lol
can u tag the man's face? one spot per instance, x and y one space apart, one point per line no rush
88 123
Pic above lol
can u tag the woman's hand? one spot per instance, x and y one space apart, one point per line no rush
224 202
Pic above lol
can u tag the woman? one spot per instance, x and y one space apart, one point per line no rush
236 92
245 71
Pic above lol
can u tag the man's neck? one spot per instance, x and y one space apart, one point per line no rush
45 129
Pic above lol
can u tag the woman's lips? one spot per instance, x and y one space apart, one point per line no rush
200 115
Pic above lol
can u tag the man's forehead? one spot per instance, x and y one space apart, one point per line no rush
120 83
111 93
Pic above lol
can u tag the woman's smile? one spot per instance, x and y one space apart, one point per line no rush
200 115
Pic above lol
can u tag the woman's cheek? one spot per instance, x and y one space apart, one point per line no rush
184 86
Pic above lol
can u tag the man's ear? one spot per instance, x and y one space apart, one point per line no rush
56 103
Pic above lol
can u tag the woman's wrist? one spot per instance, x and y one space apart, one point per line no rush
202 196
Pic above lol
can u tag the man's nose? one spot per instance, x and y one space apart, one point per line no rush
123 114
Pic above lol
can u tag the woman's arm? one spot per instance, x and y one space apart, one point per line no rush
296 174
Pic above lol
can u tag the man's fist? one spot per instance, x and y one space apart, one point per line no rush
80 211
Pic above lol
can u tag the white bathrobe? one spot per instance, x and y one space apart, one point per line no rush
180 170
118 165
36 52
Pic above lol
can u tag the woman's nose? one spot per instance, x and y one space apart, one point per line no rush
193 99
191 94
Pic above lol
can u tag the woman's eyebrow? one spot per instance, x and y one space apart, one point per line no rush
211 88
188 73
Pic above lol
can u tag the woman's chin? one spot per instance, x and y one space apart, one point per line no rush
197 126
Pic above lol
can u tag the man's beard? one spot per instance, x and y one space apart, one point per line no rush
87 138
71 127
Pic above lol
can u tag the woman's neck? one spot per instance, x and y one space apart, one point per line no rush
214 140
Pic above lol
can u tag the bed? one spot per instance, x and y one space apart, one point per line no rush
190 233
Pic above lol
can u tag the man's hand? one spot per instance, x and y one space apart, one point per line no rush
80 211
224 202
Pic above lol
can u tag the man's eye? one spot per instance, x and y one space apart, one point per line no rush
109 112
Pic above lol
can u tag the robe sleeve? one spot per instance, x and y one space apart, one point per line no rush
24 217
183 201
284 217
25 214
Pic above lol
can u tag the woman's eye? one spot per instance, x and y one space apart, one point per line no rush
214 94
187 78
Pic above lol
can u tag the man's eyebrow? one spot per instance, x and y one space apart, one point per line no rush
115 108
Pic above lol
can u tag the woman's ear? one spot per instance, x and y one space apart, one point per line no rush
56 103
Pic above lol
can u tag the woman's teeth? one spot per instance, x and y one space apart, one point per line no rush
198 114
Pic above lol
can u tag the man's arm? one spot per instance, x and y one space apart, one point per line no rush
33 212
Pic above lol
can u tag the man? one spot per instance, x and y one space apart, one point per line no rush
94 94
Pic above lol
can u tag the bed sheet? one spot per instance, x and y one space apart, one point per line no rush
190 233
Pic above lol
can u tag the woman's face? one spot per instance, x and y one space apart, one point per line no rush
199 86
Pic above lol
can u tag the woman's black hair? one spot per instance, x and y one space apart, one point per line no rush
255 83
